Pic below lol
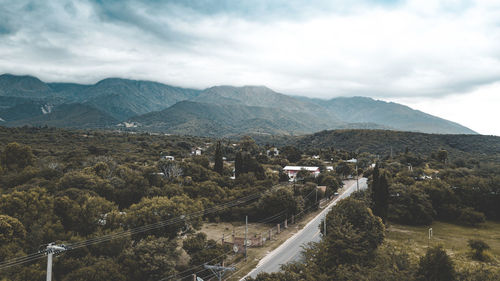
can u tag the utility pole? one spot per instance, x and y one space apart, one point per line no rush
51 250
219 271
246 233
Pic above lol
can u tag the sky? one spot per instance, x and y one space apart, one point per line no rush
441 57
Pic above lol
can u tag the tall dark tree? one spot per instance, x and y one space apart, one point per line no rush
219 164
238 164
374 185
380 193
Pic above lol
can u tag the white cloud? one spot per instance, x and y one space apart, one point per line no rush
478 109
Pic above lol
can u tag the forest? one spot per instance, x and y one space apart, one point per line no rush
129 206
112 197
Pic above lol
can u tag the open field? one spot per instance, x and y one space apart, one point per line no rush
414 240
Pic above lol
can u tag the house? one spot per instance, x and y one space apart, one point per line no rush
293 170
168 157
273 152
196 151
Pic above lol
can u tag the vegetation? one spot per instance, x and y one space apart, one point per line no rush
69 186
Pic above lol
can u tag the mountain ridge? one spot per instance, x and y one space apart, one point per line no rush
262 110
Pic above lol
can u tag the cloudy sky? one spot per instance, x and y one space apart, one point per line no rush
442 57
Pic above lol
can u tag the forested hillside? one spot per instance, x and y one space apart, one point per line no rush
215 111
114 197
381 142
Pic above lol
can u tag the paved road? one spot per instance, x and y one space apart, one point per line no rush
291 249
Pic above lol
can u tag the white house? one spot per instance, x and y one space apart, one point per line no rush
273 152
293 170
197 151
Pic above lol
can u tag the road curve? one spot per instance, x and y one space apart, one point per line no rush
291 249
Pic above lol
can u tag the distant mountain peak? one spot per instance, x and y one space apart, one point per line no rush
263 109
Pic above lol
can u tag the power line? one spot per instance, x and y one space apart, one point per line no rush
189 269
125 233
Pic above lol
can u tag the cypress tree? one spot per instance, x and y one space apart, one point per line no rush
219 164
374 186
238 164
382 197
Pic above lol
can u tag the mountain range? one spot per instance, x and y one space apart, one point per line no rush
115 103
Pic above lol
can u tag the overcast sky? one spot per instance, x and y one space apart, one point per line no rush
442 57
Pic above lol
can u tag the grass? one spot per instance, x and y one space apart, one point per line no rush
216 230
415 240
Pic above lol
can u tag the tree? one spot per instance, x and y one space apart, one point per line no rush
436 265
344 169
353 234
442 155
11 229
410 205
157 209
150 259
238 164
291 153
202 250
17 156
34 208
170 169
381 196
248 145
282 199
218 163
12 235
102 270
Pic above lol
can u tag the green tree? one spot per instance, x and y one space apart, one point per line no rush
17 156
282 199
436 265
151 259
410 205
442 155
291 153
381 197
218 163
353 233
158 209
238 164
12 235
34 208
104 269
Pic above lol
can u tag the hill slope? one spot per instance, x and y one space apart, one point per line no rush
69 116
381 142
397 116
206 119
225 109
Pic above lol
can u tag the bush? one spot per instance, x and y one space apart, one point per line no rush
478 247
470 217
436 265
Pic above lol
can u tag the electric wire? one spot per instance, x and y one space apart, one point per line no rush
125 233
